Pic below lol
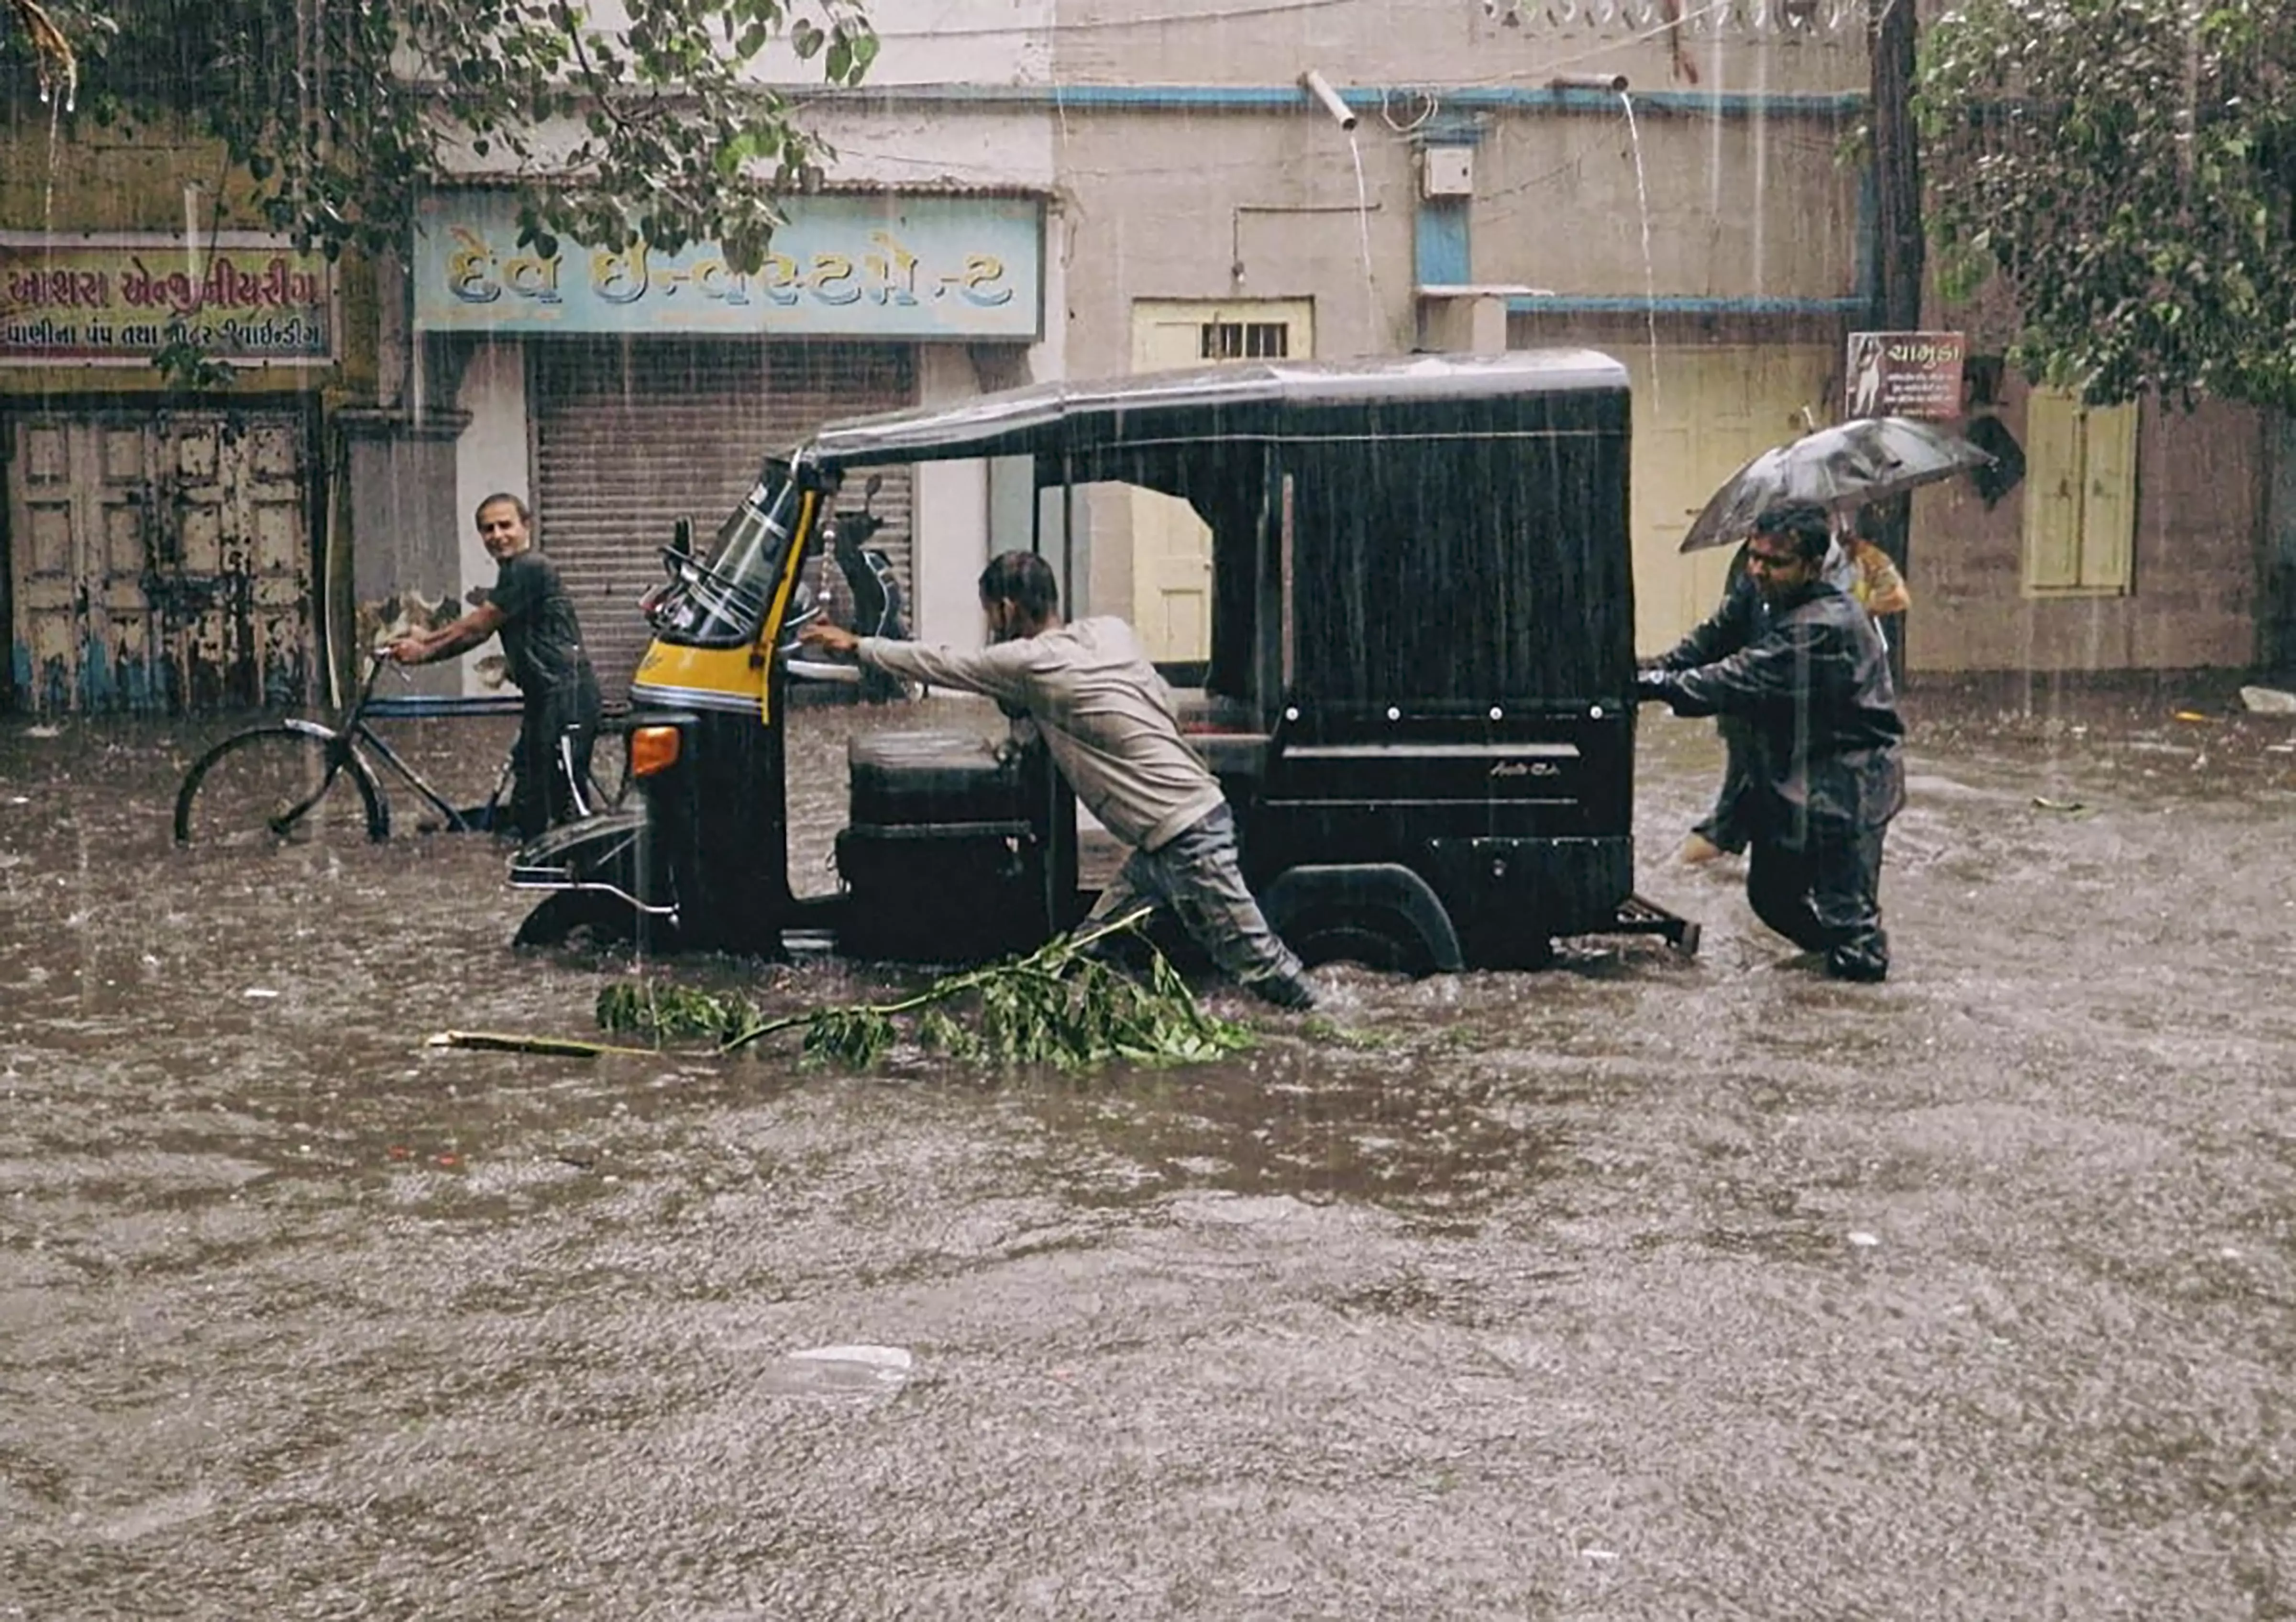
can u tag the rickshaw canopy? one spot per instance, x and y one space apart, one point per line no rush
1241 399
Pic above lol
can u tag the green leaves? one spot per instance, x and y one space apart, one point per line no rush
2129 169
1059 1005
668 1012
342 114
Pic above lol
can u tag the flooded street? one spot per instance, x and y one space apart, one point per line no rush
1640 1287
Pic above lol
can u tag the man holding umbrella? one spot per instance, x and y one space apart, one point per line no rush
1803 666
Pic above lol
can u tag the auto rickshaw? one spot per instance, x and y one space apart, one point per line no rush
1419 696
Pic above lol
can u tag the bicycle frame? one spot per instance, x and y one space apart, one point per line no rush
356 730
344 756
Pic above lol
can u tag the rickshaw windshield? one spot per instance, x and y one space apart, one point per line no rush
721 598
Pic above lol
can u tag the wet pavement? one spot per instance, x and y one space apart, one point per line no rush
1634 1289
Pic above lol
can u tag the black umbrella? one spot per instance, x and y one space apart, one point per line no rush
1846 465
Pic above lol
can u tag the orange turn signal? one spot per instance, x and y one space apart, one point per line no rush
652 749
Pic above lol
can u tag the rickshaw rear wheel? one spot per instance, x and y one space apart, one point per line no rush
1377 939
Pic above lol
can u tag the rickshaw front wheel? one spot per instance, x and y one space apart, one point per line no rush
598 917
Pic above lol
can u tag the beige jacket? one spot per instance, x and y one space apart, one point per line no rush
1104 713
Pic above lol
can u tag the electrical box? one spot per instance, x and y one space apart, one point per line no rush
1447 171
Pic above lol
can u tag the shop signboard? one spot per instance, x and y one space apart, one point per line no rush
889 267
1904 374
116 299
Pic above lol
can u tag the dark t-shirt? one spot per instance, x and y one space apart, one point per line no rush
541 638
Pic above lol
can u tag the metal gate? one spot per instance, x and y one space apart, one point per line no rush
160 561
632 435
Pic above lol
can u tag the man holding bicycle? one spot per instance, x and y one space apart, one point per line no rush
542 643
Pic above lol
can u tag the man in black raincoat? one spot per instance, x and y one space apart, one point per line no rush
1801 664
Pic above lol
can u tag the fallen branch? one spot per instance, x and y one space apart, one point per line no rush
1057 1005
506 1042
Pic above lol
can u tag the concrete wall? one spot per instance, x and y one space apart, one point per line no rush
1747 205
952 518
1232 205
1248 202
1438 43
2194 600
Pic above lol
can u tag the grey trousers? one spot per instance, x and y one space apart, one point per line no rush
1195 875
1824 898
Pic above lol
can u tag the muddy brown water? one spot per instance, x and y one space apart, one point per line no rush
1639 1288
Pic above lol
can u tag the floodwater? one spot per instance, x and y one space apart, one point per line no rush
1639 1288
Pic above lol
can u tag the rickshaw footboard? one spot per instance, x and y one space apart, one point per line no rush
1639 916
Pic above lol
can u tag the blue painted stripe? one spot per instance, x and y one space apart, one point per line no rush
1465 98
1671 304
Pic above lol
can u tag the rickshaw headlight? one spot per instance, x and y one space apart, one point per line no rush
653 750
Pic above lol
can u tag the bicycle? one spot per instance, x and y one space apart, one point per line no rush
278 783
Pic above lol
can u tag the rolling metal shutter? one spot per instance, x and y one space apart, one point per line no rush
632 435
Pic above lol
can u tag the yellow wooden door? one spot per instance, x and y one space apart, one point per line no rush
1699 416
2054 439
240 537
1171 546
160 561
2109 499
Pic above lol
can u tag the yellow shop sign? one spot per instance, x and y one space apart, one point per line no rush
114 300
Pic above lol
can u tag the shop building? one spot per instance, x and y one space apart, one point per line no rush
162 540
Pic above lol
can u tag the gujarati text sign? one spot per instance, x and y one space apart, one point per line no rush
115 299
892 266
1904 374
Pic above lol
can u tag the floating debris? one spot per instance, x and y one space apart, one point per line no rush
841 1370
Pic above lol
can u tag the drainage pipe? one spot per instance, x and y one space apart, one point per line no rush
1315 85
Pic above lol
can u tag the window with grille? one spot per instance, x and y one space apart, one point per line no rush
1246 340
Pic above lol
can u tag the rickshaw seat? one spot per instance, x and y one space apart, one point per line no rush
1223 731
902 779
1231 754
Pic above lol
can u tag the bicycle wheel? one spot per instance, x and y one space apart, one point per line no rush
280 785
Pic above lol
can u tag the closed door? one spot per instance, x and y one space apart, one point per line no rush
160 562
1171 546
1701 416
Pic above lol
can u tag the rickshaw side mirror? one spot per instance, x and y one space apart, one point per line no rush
681 538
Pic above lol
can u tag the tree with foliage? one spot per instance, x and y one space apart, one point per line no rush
2128 167
644 120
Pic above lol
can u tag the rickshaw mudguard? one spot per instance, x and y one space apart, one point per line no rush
1357 889
597 850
